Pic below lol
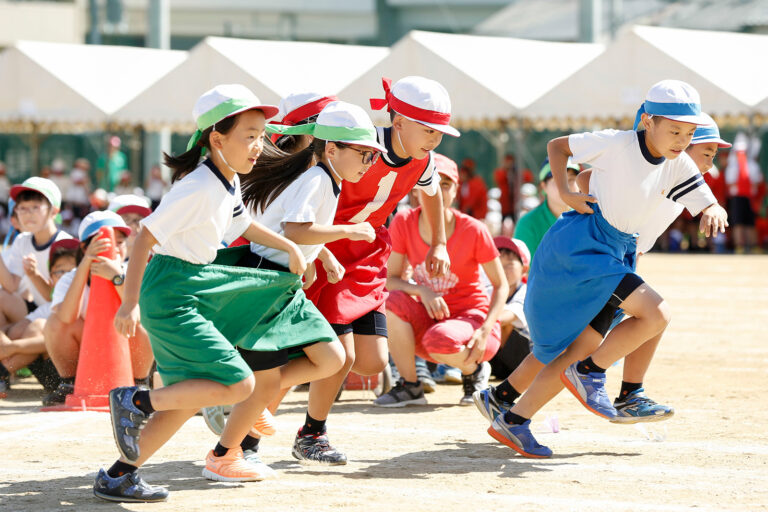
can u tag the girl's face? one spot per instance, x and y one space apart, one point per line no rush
417 139
666 137
122 245
448 189
63 265
242 146
513 268
348 159
703 155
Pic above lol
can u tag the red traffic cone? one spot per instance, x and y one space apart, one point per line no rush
105 359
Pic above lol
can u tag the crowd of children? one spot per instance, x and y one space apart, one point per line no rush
270 264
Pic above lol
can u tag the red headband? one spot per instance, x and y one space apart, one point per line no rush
406 109
303 112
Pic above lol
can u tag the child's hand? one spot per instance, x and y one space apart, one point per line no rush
579 202
713 219
476 345
106 268
30 265
96 246
296 262
362 231
435 305
126 319
310 275
334 270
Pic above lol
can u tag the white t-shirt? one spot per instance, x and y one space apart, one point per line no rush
62 287
515 305
656 224
23 245
43 312
312 197
77 192
199 211
629 183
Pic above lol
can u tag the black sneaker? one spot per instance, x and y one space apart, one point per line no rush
315 449
402 394
127 488
127 421
5 381
476 381
59 395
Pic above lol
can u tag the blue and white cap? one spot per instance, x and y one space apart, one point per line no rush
93 221
709 133
674 100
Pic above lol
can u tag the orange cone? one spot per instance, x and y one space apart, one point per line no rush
105 359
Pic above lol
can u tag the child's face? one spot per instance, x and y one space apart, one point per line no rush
553 194
703 155
243 144
448 188
417 139
63 265
122 244
666 137
33 215
513 268
347 160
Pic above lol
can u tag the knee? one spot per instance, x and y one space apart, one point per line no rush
660 316
371 364
335 356
241 390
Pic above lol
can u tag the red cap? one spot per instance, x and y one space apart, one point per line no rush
515 245
446 167
65 244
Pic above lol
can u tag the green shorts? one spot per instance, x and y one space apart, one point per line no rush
196 315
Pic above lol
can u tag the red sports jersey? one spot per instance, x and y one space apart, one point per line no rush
371 200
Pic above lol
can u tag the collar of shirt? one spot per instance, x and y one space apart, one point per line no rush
646 152
336 188
391 157
216 172
47 244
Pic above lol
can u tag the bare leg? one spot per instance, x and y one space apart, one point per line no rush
245 413
371 354
322 393
141 353
12 309
457 360
62 341
199 393
158 430
637 363
402 344
524 374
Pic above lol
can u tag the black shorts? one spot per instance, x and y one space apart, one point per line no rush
31 306
602 322
253 260
259 360
373 323
740 211
515 349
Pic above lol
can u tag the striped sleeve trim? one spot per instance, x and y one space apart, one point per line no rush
239 209
682 185
696 185
429 171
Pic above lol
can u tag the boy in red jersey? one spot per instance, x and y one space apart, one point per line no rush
420 111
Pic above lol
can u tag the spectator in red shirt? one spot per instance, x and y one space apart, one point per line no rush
473 199
505 178
742 178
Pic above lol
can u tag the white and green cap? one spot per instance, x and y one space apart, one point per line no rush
225 101
42 186
339 121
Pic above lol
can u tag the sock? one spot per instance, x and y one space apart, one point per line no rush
68 380
627 388
312 426
142 382
506 392
142 402
589 366
220 450
514 419
121 468
412 384
250 443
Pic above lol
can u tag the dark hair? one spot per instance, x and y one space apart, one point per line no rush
274 171
186 162
81 248
31 195
62 252
290 143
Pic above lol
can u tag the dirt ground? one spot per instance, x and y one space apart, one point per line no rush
712 367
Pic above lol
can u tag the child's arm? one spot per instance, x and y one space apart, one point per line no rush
309 233
70 307
108 269
714 218
498 279
127 317
582 180
32 272
8 280
558 151
259 234
433 303
438 262
334 271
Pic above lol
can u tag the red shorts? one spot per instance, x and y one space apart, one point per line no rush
442 336
362 288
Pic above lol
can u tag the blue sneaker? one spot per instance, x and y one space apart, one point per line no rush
519 438
127 421
488 405
589 389
425 376
127 488
637 407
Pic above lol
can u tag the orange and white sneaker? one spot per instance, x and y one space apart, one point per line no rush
232 467
265 425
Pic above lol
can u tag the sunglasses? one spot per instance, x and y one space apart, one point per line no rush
369 157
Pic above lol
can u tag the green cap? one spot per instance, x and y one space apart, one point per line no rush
546 171
42 186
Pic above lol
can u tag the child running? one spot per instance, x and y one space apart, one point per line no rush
194 309
585 266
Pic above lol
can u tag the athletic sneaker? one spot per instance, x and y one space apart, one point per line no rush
216 418
638 408
589 389
401 395
452 375
129 487
252 457
315 449
488 405
519 438
127 421
425 376
59 395
232 467
476 381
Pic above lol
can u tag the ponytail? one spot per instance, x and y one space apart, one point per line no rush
188 161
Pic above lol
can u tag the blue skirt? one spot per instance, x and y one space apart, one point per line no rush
577 266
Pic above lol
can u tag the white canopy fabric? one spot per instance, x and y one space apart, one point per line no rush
271 69
724 67
488 78
75 85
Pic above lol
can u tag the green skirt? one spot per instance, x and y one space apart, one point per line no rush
196 315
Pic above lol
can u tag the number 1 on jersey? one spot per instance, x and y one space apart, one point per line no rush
382 194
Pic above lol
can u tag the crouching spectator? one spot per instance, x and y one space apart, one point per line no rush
450 319
64 330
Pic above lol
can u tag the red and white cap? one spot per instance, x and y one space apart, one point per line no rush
297 107
446 167
515 245
130 203
418 99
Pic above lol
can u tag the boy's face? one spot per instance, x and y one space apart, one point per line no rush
703 155
33 214
417 139
666 137
513 268
63 265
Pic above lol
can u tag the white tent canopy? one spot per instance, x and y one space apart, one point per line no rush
724 68
75 85
271 69
488 78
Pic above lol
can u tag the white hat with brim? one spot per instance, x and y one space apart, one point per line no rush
709 133
43 186
674 100
130 203
92 222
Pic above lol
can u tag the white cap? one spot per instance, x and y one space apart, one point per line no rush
130 203
709 133
93 221
675 100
